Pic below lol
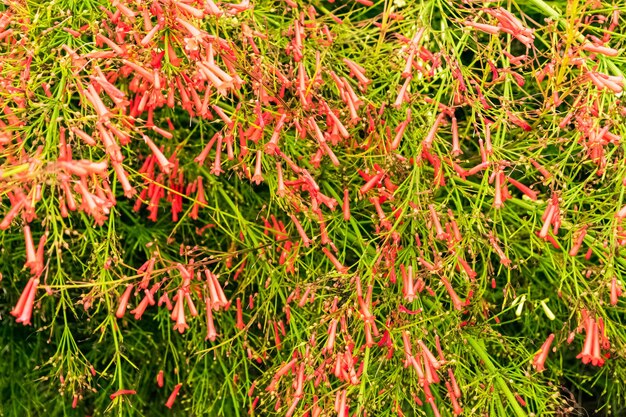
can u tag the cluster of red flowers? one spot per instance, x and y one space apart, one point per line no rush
151 58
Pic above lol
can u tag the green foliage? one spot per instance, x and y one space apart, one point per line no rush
527 105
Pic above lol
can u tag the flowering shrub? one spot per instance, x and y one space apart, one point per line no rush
345 207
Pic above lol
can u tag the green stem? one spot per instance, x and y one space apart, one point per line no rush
501 382
228 379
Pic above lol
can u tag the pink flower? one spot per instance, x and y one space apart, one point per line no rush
591 349
483 27
24 307
257 178
540 358
340 268
240 325
121 309
31 256
358 71
599 49
456 301
161 159
172 397
159 379
211 332
122 392
457 409
436 223
178 313
332 334
616 291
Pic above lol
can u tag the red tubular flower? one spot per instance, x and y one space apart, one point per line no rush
217 162
214 297
466 267
408 354
84 136
281 191
616 291
92 96
358 72
303 236
178 313
596 359
429 355
547 220
542 170
39 254
604 341
336 122
457 409
24 298
493 30
402 96
129 191
277 341
283 370
122 392
504 260
455 387
599 49
483 152
364 306
200 199
346 204
340 268
408 288
456 301
27 307
205 151
190 304
524 189
240 325
540 358
372 182
431 399
518 121
257 178
332 334
172 397
591 349
436 223
408 66
221 300
430 137
211 332
31 257
121 309
150 35
400 130
476 169
304 298
103 39
163 162
498 198
456 148
141 308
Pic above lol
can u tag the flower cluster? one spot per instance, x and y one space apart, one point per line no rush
350 209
